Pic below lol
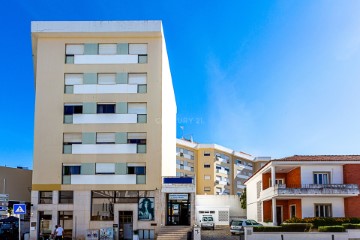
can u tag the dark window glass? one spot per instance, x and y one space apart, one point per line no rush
106 108
72 170
70 110
45 197
137 170
138 141
66 196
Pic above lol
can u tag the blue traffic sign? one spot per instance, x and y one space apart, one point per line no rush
19 208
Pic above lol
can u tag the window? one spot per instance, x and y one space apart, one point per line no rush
105 168
106 78
323 210
72 138
74 78
66 197
321 178
206 165
71 50
277 181
207 177
136 168
206 154
292 211
107 49
137 108
138 48
139 138
71 169
207 189
137 78
106 108
70 109
105 138
45 197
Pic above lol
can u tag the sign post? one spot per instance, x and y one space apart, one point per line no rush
19 209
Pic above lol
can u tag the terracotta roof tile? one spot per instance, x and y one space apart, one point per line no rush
320 158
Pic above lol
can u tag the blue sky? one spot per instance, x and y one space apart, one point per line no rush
271 78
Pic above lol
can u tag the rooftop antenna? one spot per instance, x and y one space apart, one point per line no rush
182 128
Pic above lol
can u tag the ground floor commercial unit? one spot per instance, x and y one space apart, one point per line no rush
115 213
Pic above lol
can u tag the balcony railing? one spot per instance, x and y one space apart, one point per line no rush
311 189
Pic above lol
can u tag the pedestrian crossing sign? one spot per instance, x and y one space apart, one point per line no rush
19 209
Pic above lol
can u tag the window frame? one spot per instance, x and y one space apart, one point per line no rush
43 199
319 176
327 209
71 199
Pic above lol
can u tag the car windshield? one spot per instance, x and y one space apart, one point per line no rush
236 223
207 219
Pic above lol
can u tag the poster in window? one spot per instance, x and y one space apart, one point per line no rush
146 209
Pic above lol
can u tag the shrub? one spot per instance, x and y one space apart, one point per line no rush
320 221
351 226
289 227
268 229
331 229
296 227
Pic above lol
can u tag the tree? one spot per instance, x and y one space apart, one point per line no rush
243 199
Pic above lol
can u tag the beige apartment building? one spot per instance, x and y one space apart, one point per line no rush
218 170
105 132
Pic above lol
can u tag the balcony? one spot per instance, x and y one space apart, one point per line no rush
222 160
221 182
223 171
341 190
242 176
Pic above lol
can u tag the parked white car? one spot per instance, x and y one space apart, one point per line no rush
237 225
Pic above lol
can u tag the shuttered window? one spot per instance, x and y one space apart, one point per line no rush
107 49
137 108
106 78
136 135
72 138
74 78
137 78
135 164
74 49
105 168
136 48
105 138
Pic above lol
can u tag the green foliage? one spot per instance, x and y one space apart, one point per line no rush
289 227
243 199
296 227
318 221
268 229
336 228
351 226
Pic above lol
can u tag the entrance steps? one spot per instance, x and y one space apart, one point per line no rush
173 233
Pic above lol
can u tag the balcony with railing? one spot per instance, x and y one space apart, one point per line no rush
222 171
341 190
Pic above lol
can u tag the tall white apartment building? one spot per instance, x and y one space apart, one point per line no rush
105 131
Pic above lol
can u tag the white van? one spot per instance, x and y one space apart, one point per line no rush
207 221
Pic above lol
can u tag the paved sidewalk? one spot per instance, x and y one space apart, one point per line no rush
220 233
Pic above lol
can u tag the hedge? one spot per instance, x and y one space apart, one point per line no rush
318 221
351 226
331 229
289 227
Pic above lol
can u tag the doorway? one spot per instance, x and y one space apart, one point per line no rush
178 209
279 214
126 225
